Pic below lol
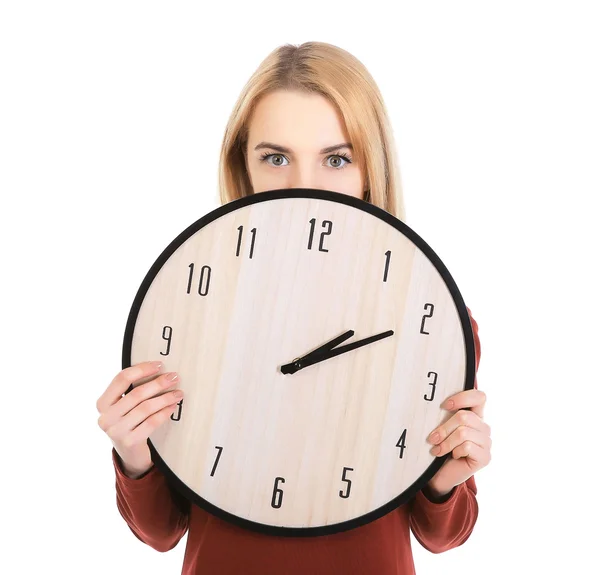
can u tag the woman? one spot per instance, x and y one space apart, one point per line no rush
310 117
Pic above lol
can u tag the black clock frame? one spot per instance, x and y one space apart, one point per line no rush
271 195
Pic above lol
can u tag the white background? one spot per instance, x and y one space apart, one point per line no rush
111 118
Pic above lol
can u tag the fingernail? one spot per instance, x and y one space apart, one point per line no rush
172 376
434 438
435 450
448 404
156 364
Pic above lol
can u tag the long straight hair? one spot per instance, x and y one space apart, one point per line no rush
319 68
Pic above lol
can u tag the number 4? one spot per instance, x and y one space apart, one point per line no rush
402 443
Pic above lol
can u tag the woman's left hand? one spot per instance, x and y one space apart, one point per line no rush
466 435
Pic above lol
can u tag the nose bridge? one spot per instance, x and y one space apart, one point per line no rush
303 174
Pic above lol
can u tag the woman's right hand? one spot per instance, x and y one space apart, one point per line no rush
130 419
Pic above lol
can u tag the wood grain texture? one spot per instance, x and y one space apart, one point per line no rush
260 313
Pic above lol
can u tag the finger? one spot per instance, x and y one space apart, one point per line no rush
157 386
471 398
463 418
460 436
140 393
147 427
121 430
480 456
123 380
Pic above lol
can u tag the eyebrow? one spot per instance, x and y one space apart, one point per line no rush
284 150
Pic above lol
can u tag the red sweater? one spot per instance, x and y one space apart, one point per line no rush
160 517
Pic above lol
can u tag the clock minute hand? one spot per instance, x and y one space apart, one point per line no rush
354 345
327 352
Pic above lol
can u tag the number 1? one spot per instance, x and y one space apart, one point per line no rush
388 256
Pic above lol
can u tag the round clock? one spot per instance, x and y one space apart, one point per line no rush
316 336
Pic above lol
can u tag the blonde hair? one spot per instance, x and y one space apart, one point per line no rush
324 69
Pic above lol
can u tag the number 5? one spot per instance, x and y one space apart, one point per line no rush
347 494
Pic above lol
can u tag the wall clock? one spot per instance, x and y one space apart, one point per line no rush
316 337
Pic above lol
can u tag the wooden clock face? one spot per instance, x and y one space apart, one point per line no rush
322 446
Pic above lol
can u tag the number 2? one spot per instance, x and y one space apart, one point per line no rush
430 305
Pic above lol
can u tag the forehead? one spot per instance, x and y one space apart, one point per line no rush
296 120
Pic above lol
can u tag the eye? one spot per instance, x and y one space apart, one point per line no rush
341 160
278 157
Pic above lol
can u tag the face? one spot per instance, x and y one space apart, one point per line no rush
298 140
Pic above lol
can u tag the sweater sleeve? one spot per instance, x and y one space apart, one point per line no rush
448 523
155 513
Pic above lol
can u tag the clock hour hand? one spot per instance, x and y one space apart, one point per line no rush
291 367
327 351
329 345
